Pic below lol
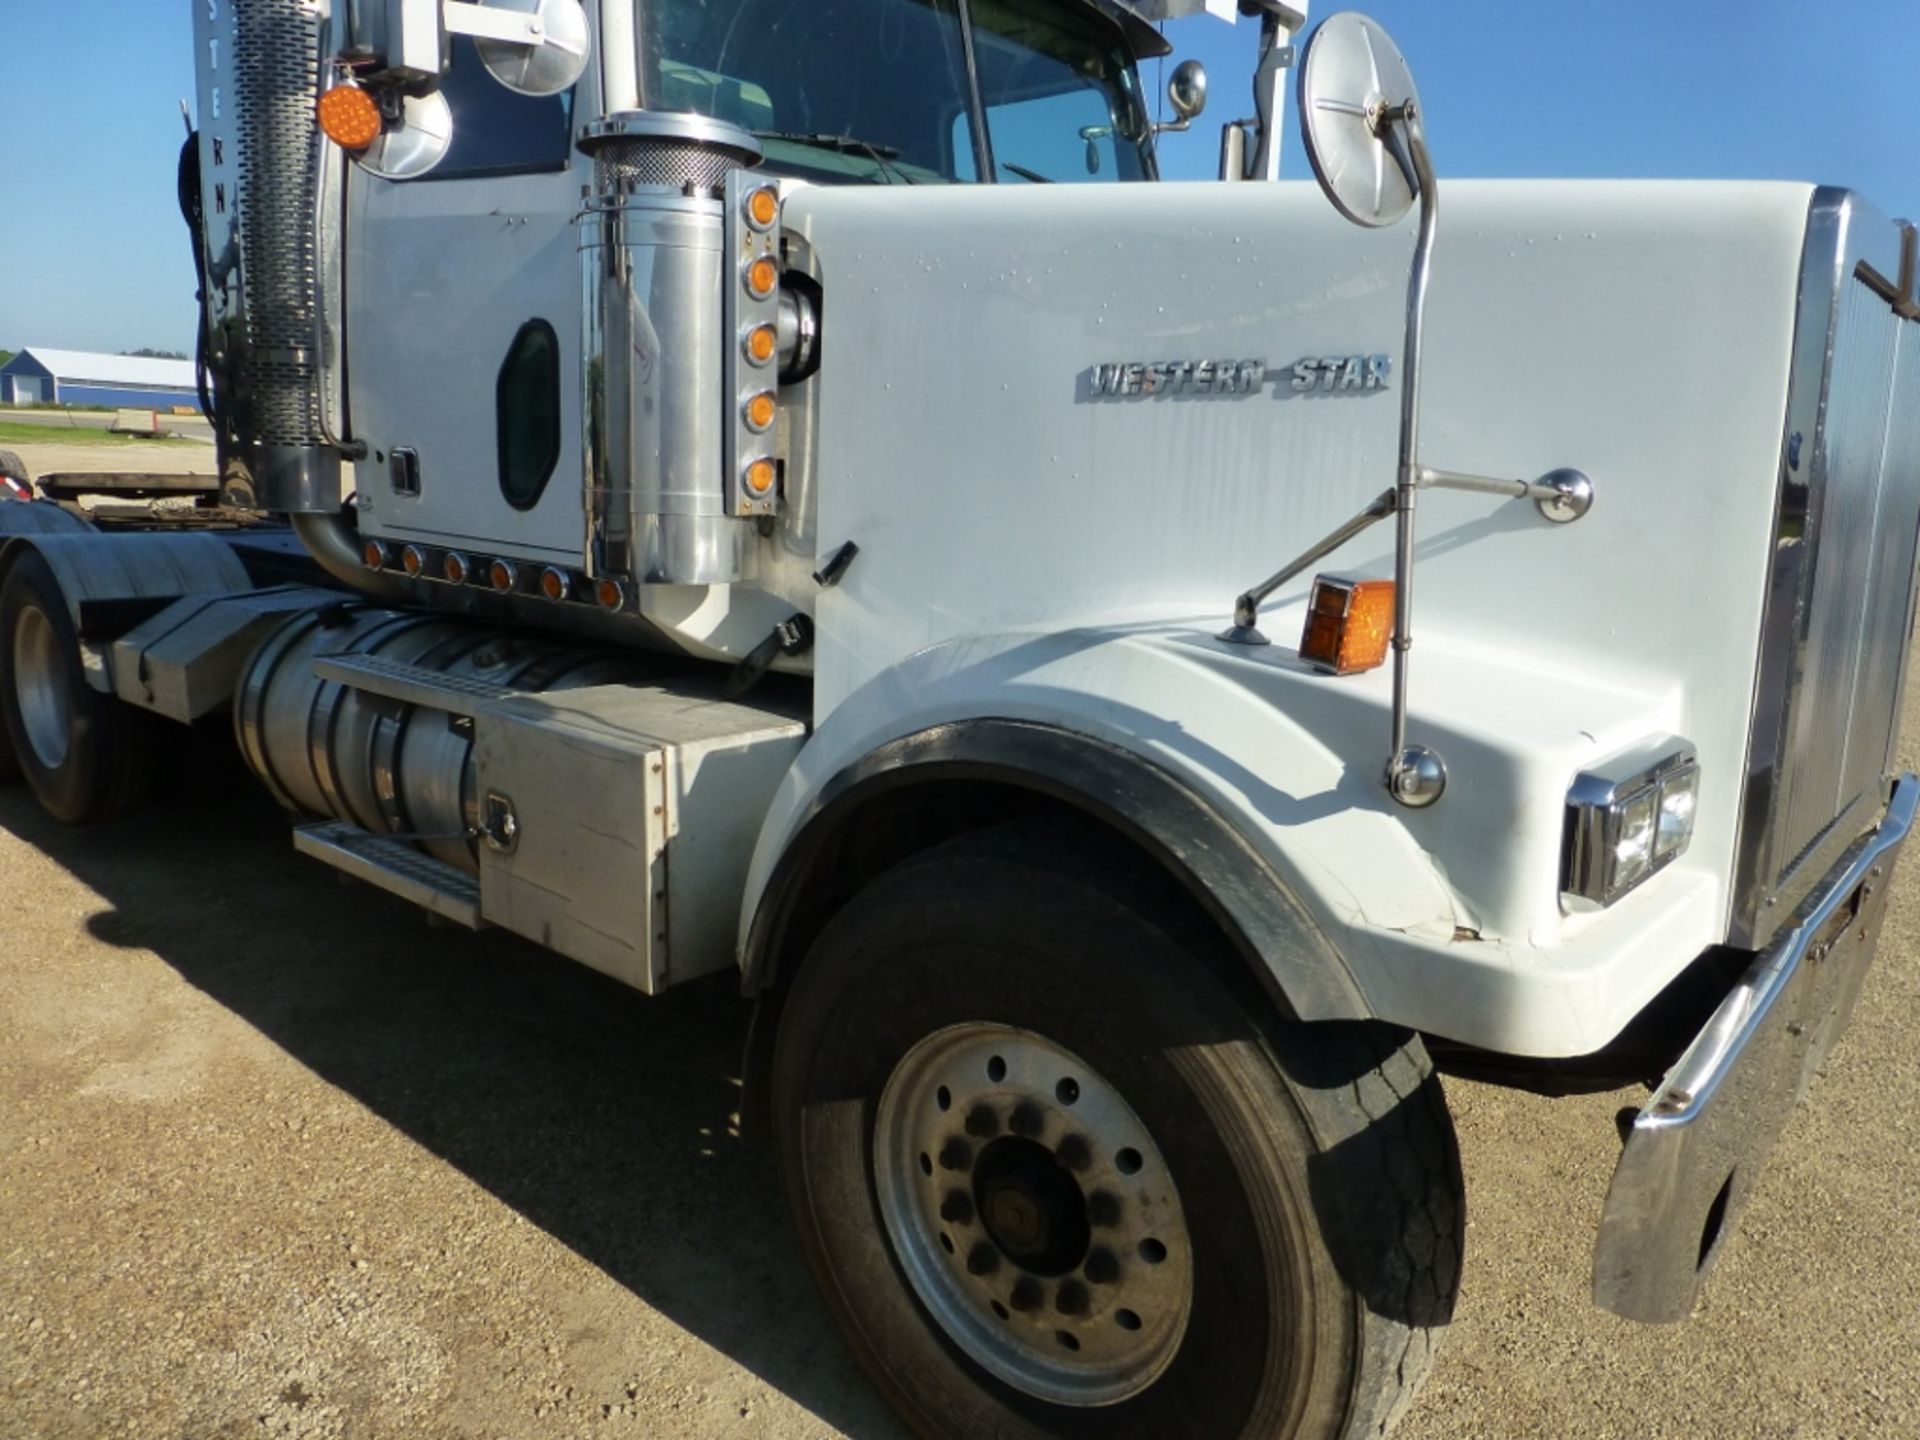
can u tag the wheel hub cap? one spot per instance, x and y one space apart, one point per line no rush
1033 1214
40 686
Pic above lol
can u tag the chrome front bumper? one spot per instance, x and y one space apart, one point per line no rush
1698 1147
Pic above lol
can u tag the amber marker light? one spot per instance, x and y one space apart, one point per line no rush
350 117
759 477
763 207
455 567
555 584
763 277
503 575
609 594
413 559
759 411
374 554
762 343
1349 624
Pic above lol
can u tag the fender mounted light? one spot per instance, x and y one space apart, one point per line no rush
1349 624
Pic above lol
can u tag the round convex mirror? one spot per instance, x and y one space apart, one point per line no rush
1187 89
419 142
1351 76
556 57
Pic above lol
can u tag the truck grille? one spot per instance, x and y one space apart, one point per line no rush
1839 607
1842 738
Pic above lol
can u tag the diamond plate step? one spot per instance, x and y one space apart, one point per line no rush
395 867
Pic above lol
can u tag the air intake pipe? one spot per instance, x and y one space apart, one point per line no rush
653 260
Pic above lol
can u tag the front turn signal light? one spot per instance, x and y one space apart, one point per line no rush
350 117
1349 624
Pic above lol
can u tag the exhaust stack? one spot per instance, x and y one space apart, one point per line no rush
258 64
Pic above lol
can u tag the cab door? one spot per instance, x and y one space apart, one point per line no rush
462 329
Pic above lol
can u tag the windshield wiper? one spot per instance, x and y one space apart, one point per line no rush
882 156
1025 174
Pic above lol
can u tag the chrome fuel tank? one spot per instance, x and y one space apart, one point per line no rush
390 768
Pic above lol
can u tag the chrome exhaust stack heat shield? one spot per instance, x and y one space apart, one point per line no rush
653 259
259 65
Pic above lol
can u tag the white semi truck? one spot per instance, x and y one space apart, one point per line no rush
696 492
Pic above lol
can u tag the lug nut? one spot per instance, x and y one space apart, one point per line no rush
982 1123
1103 1208
1102 1268
957 1208
956 1154
983 1259
1071 1298
1026 1119
1026 1294
1073 1153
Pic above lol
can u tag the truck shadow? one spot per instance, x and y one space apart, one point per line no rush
602 1116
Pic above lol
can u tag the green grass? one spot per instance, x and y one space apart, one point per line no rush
13 433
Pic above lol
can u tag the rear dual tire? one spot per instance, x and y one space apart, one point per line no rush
86 756
1055 1180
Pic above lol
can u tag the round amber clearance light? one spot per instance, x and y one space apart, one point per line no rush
762 344
555 584
375 555
609 594
763 207
763 277
759 411
758 477
350 117
413 559
503 575
455 567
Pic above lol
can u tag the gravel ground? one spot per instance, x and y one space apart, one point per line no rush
281 1160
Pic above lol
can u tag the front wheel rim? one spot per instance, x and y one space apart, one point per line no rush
1033 1213
40 688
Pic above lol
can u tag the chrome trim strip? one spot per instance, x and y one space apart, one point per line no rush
1845 236
1697 1148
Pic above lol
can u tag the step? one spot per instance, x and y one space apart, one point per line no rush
413 684
393 866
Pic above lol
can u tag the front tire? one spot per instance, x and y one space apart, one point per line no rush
1054 1180
86 756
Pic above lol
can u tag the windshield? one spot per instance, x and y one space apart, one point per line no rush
878 91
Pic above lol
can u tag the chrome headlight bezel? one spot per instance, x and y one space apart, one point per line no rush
1628 818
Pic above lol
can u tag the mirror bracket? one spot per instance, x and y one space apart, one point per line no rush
1362 78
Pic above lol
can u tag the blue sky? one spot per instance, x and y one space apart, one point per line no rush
93 255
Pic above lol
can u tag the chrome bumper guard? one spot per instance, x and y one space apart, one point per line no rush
1697 1149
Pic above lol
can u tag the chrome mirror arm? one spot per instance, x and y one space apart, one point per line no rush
1245 629
1562 496
1415 775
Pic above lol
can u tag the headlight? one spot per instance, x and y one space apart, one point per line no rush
1627 820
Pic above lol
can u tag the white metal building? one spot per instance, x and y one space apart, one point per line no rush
39 376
